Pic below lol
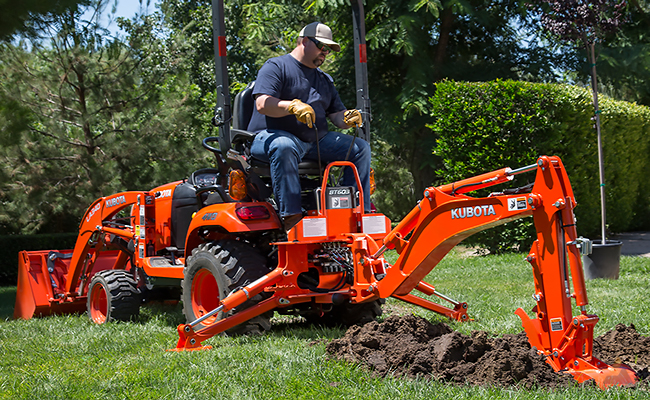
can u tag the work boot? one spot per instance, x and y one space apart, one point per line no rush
291 220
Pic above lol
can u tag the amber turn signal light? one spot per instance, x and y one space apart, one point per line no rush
237 190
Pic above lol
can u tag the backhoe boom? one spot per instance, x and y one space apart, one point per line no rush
445 217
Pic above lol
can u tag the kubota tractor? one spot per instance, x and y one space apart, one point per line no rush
217 237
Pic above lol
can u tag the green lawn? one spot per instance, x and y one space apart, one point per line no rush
67 357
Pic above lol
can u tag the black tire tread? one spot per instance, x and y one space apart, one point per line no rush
241 265
352 314
124 295
349 314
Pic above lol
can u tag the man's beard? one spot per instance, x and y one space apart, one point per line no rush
318 61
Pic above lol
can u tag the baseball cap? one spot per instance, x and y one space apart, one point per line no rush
322 33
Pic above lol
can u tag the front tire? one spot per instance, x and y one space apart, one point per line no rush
113 295
212 272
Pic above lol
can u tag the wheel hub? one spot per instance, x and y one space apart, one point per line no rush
205 294
98 304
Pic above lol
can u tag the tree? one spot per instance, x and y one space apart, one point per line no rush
624 68
586 23
414 45
31 16
255 31
84 116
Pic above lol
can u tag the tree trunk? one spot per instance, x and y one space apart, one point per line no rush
420 161
446 22
591 57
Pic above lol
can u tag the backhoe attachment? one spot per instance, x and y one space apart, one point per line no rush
446 216
441 220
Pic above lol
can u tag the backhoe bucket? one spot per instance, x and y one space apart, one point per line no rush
607 376
41 280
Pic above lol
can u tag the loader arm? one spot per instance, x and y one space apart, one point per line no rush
92 223
55 282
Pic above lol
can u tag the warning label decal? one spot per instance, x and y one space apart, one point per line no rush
556 324
516 204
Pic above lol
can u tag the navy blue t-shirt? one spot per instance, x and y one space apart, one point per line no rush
286 78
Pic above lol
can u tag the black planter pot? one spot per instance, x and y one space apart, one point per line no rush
604 261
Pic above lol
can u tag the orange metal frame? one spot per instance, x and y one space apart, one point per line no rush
63 290
444 218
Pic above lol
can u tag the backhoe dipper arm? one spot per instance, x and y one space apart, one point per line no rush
445 217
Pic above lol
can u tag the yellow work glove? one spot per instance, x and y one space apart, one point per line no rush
303 112
353 118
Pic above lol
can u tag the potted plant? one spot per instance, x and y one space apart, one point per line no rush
585 23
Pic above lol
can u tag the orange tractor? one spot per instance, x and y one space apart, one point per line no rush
216 241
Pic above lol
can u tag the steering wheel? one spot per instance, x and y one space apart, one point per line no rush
206 143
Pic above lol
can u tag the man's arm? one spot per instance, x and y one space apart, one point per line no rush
272 106
276 108
337 119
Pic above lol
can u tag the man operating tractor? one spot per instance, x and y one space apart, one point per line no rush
218 240
293 99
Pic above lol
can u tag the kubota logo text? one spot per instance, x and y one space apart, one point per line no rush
115 201
468 212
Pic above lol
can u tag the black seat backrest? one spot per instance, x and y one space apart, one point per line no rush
243 107
184 206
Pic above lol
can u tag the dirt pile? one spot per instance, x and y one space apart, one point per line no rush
625 345
412 346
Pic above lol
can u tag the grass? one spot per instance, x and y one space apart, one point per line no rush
495 286
67 357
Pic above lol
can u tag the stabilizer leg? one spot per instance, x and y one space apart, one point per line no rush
458 313
191 340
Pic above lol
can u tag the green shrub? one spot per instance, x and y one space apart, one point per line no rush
482 127
12 244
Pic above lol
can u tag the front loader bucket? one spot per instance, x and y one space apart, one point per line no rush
41 284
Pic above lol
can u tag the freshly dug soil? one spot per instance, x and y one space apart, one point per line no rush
411 346
625 345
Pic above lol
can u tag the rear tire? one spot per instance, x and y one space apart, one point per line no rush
212 272
349 314
113 295
352 314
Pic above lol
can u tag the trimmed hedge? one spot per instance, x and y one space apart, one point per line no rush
486 126
12 244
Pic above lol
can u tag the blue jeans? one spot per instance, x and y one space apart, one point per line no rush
284 151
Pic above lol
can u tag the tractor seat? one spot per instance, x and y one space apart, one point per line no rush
242 139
